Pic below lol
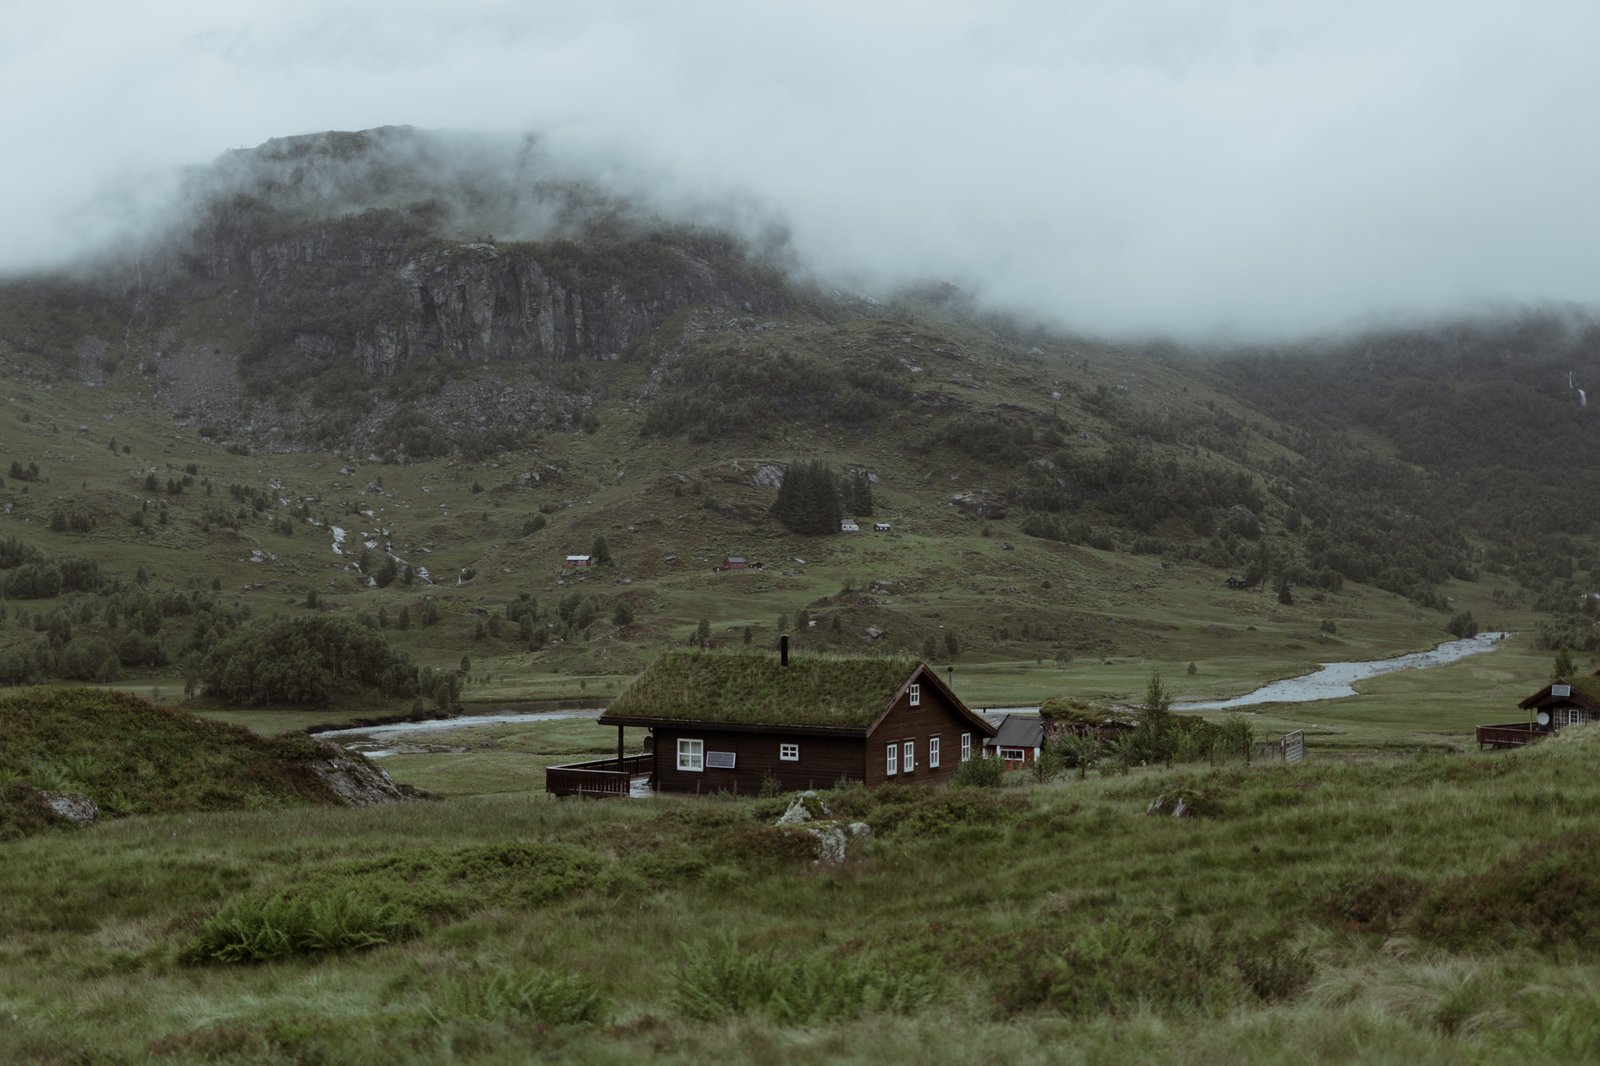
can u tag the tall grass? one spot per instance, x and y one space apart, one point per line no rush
721 980
1038 922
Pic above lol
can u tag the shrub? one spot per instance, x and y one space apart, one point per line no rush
1115 968
1539 897
1369 902
1274 971
980 772
924 811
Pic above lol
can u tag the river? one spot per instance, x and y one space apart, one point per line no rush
376 741
1335 681
1332 681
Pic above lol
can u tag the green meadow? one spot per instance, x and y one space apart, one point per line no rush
1371 904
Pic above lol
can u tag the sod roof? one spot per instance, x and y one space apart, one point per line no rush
1585 690
755 689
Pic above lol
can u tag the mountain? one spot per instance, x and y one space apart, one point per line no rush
401 375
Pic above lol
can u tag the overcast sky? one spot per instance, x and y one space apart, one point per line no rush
1200 167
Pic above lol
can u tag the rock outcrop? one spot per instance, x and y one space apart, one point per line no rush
808 814
356 779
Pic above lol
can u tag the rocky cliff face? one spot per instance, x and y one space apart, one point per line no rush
384 281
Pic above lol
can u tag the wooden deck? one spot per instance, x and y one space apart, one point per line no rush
597 777
1510 735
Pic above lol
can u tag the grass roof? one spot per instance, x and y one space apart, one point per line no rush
1585 688
755 689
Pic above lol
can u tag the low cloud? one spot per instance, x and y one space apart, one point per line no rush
1200 168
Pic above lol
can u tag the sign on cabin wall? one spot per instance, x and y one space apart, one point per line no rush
720 760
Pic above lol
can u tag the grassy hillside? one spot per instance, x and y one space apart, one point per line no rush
225 538
1431 909
129 756
336 403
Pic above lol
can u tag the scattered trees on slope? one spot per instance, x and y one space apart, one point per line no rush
808 499
303 660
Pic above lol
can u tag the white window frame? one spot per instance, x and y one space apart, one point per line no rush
891 765
915 695
933 752
966 747
691 755
908 757
1013 754
788 752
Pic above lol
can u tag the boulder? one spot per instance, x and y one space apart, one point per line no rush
1184 803
79 810
809 815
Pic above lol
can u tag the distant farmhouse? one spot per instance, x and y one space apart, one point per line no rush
849 525
1560 703
738 722
576 560
880 527
1019 741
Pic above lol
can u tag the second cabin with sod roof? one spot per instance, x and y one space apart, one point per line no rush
724 722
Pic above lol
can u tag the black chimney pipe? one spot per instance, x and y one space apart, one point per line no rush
783 650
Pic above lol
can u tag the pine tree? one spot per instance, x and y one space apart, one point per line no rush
808 499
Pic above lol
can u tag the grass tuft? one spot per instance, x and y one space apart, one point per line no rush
278 927
720 980
528 995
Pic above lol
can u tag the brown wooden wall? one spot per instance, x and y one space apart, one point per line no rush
935 716
824 761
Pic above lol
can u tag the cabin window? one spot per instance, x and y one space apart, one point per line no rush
933 753
910 756
691 755
916 695
966 747
789 752
1014 754
891 759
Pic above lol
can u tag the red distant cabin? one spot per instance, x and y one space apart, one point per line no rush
1019 740
733 562
1560 703
741 722
576 560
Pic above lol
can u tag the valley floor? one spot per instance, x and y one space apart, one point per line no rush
1426 908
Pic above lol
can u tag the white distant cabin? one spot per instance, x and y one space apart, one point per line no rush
848 525
576 560
880 527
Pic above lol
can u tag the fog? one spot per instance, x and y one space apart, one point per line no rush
1208 169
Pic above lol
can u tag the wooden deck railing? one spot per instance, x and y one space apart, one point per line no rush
1510 735
597 777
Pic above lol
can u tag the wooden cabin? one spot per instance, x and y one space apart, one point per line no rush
1019 741
1562 702
575 561
722 722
